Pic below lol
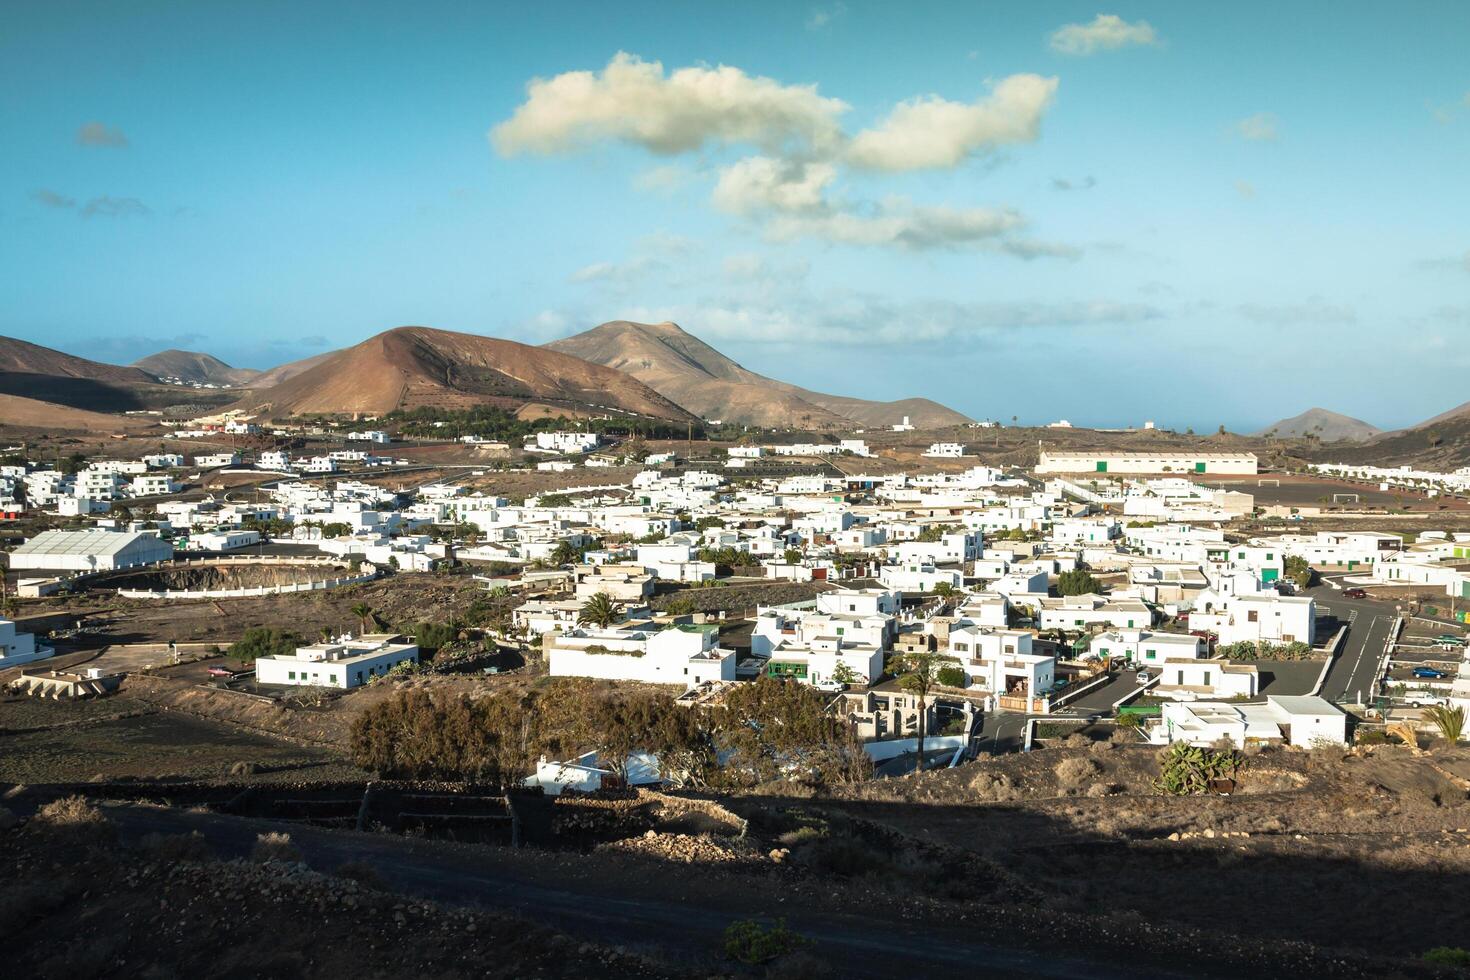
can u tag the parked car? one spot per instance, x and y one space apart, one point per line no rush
1428 672
1425 701
1144 677
1450 638
1354 594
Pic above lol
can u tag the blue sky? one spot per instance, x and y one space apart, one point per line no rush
1198 214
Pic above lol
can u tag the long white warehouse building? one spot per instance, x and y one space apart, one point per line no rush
1235 464
90 551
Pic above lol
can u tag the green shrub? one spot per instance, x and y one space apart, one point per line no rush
1448 956
749 942
263 641
432 636
1186 770
951 676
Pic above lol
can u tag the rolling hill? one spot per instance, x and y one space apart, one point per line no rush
1325 425
195 367
420 367
685 369
22 357
41 374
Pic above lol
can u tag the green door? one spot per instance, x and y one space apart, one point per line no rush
1199 467
1102 466
1268 575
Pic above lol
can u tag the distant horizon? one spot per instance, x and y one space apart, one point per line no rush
1024 420
1155 210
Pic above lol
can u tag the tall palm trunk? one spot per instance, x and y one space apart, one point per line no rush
923 715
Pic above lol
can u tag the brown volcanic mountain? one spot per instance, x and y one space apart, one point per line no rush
285 372
187 365
694 374
20 357
420 367
30 371
1326 425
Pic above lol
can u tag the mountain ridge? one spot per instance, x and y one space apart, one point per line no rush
699 377
1327 425
193 366
414 367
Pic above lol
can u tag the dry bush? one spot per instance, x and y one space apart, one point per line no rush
76 816
1076 740
994 786
244 769
178 847
1122 736
274 846
1101 789
1074 772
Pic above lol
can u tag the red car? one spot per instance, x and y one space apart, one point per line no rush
1354 594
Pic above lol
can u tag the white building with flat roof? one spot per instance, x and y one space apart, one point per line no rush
343 663
18 648
1107 462
1260 618
1300 720
683 655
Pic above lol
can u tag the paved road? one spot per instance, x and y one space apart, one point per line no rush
1001 732
1369 622
654 916
1102 699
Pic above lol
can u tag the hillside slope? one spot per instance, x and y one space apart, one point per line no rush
193 366
29 413
23 357
420 367
39 373
1325 425
684 368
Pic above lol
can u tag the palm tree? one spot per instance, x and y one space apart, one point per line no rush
565 553
600 610
364 614
918 673
1449 721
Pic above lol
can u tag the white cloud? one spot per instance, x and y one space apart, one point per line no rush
788 187
1029 248
820 18
758 184
1106 32
101 135
633 101
858 318
1261 127
934 133
901 223
663 179
1315 311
